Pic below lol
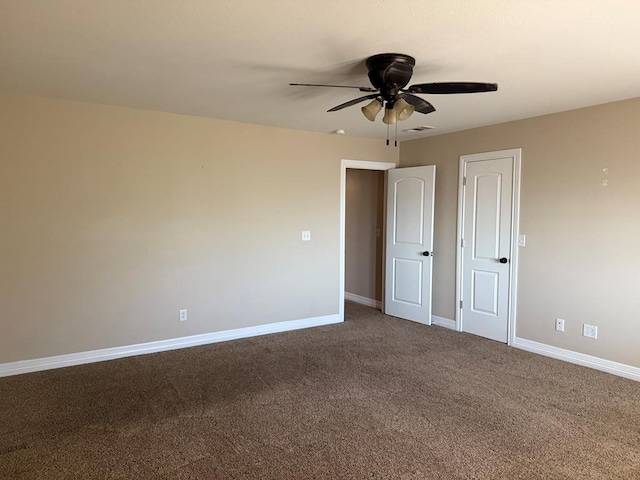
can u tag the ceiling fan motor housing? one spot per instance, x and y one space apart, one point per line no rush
390 72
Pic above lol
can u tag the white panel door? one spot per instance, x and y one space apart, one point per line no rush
487 224
409 240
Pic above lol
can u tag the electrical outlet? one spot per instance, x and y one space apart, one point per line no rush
183 315
590 331
560 324
306 235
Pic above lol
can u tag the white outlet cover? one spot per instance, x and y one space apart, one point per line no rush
560 324
590 331
183 315
306 235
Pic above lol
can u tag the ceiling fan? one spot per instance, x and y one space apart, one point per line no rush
389 73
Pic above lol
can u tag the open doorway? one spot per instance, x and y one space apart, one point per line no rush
375 264
364 227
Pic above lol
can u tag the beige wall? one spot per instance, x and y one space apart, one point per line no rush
363 228
113 219
582 259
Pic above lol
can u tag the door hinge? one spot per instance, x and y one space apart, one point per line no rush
464 181
460 304
462 242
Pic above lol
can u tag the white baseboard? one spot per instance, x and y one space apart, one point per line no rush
39 364
369 302
615 368
443 322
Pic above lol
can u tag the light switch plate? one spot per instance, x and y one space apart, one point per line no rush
522 240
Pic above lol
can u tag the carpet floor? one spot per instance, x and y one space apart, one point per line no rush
372 398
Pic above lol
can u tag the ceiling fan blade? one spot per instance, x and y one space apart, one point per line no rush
453 87
420 104
362 89
352 102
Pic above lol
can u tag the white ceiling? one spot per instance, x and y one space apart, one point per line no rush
233 59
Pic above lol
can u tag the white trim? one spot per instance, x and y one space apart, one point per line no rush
615 368
443 322
39 364
367 165
459 227
369 302
360 165
516 154
515 233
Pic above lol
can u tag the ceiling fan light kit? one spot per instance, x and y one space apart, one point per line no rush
390 116
371 110
389 74
403 109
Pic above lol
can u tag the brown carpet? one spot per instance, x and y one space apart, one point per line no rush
373 398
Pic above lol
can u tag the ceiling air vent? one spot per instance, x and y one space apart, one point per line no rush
418 129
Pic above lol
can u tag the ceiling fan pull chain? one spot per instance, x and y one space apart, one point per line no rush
396 140
387 134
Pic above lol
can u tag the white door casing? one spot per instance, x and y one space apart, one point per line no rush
409 243
487 244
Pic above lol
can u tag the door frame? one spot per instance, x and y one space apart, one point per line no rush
360 165
516 156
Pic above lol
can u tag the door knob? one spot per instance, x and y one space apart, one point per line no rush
425 254
503 260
